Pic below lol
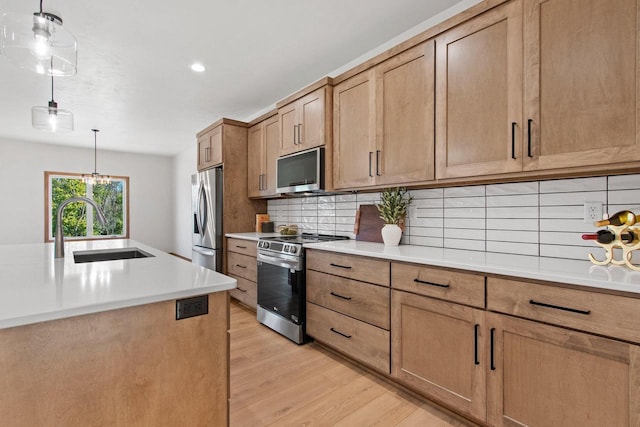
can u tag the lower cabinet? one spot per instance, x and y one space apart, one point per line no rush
242 266
439 349
542 375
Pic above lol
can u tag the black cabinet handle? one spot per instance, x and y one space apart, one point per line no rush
378 162
559 307
241 266
340 333
430 283
340 296
241 290
529 137
370 154
513 140
475 344
346 267
241 247
493 339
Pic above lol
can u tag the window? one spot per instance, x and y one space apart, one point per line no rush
80 221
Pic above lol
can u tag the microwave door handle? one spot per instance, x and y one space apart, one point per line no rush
305 182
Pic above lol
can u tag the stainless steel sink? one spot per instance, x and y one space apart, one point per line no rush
109 255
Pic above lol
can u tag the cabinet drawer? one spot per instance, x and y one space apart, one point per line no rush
246 247
369 303
246 292
244 266
610 315
365 343
352 267
453 286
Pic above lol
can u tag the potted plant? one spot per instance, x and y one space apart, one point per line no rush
393 208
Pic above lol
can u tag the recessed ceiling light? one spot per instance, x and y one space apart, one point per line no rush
197 67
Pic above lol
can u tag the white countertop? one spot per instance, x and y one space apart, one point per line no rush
573 272
35 287
252 235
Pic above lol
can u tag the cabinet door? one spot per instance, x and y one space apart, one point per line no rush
204 149
479 95
438 348
255 160
216 146
548 376
354 132
288 129
311 119
405 117
271 141
582 87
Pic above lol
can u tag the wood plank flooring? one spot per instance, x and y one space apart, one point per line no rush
275 382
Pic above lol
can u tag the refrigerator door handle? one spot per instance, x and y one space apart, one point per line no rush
206 252
202 219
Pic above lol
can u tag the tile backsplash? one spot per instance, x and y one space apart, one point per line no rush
539 218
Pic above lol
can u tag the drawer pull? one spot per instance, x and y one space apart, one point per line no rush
475 345
493 339
241 290
340 296
241 266
241 247
340 333
346 267
430 283
559 307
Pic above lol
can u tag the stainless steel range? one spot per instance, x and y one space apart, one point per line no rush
281 283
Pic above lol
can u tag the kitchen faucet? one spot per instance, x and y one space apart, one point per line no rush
59 232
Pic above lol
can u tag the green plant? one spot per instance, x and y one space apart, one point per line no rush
393 204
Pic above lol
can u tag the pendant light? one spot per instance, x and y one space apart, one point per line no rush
38 43
94 177
51 118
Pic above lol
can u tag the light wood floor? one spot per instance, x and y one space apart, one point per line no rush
275 382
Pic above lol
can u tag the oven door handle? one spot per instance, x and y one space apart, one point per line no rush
295 265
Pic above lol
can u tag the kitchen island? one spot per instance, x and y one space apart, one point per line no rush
98 343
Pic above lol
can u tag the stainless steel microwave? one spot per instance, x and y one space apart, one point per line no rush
301 172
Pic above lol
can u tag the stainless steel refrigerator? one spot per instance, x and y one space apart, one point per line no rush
206 207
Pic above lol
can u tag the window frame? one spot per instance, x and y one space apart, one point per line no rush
47 207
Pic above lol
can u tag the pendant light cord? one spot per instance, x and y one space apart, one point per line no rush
40 7
95 151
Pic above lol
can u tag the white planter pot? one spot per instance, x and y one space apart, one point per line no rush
391 234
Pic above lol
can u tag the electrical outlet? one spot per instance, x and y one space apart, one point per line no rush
190 307
592 212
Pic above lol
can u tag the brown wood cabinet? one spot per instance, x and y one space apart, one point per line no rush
242 266
575 74
305 118
438 348
542 375
263 147
383 122
479 95
210 148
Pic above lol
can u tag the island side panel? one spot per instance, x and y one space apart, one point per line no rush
125 367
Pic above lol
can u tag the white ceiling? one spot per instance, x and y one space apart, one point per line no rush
134 81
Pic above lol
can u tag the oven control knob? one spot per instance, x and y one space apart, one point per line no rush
265 245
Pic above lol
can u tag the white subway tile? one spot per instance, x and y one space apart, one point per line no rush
467 223
512 224
427 203
514 200
431 193
348 228
513 248
345 198
472 245
326 228
427 222
437 242
426 231
346 205
568 199
570 252
456 233
326 219
513 212
512 189
359 204
565 238
471 191
368 198
464 212
624 182
622 197
430 213
566 225
612 209
512 236
327 205
326 199
574 185
552 212
345 220
464 202
294 201
346 212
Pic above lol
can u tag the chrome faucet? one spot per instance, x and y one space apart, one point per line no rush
59 243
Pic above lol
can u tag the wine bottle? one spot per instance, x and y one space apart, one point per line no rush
607 236
619 218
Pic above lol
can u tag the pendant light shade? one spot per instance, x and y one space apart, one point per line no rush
38 43
51 118
94 177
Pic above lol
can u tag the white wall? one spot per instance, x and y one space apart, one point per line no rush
22 167
184 165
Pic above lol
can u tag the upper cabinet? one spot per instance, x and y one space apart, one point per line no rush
209 148
305 119
555 90
263 148
581 84
384 122
479 95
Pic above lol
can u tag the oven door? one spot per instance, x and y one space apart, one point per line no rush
281 288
